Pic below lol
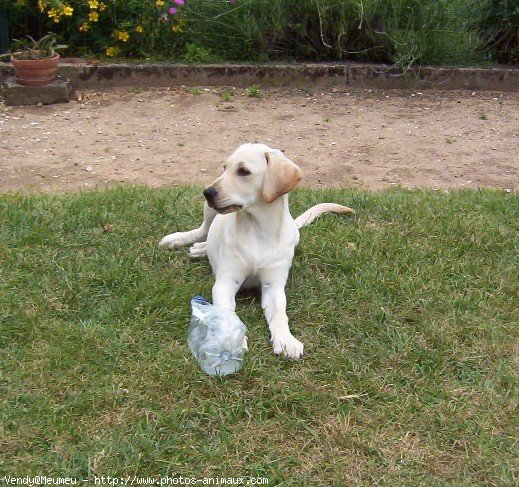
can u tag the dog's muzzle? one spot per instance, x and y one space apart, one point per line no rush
210 194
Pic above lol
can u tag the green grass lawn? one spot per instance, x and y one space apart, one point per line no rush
408 312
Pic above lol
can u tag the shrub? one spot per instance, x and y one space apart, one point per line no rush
401 32
129 28
498 26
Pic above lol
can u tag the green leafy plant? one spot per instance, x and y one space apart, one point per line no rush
194 91
197 54
226 95
253 91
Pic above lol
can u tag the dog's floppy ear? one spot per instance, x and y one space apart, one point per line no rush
281 176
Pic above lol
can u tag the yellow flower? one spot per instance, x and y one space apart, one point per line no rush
41 6
52 13
68 10
102 6
138 29
93 4
112 51
84 27
56 20
123 36
159 3
93 16
179 26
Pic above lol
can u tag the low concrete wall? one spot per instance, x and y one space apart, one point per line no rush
98 76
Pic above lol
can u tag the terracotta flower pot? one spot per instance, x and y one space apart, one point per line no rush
35 72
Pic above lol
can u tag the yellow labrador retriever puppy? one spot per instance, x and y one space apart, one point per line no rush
250 236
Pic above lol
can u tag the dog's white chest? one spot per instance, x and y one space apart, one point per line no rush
247 250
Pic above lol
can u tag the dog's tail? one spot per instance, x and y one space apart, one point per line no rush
312 213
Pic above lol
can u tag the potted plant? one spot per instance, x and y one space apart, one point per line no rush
35 63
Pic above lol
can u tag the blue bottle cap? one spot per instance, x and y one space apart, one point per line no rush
226 355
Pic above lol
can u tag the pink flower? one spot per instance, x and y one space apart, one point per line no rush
172 10
179 2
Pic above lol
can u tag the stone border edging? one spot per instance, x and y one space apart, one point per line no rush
324 75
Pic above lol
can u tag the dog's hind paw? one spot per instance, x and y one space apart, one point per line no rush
198 250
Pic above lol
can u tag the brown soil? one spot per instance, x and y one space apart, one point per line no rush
369 139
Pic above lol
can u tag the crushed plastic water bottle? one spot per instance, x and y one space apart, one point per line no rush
217 338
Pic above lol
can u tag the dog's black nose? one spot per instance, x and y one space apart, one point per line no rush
210 194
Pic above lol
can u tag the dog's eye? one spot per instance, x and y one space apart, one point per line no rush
242 172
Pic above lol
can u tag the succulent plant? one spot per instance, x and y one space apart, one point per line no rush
31 49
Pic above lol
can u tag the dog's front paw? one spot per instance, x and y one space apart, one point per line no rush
173 240
288 345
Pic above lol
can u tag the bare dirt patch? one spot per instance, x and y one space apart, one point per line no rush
369 139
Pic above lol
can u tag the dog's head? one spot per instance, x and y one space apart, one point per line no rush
253 174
